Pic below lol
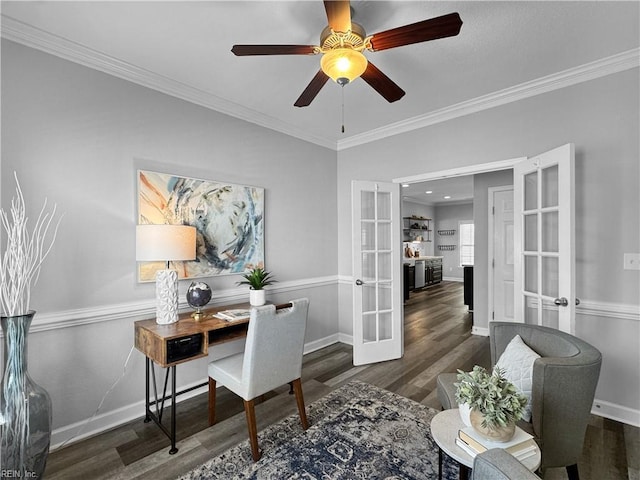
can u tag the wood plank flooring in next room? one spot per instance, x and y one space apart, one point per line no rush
437 339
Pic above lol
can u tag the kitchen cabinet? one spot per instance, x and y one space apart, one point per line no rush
408 279
422 272
468 286
433 271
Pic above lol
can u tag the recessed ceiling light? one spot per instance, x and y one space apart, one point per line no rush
405 185
447 197
428 192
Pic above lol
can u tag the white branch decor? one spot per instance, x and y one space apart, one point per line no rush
21 261
25 407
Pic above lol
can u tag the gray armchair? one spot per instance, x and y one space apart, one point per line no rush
564 384
498 464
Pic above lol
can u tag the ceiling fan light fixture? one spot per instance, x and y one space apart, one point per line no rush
343 65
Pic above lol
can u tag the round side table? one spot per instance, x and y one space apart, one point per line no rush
444 429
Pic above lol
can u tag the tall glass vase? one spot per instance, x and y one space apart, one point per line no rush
25 407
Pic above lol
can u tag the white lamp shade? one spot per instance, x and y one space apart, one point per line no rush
163 243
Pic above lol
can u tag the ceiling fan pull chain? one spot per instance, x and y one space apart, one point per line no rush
342 108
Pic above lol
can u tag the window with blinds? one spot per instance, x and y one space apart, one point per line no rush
466 242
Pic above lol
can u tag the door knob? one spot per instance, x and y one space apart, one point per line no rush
561 302
359 282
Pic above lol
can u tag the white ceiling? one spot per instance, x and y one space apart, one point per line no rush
458 189
183 48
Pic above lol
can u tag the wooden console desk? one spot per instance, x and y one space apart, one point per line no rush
183 341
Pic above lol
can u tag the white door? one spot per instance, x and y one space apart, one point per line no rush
544 239
377 293
501 266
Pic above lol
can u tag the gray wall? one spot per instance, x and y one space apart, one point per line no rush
601 118
447 218
77 136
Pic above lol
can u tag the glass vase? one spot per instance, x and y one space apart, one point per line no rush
25 407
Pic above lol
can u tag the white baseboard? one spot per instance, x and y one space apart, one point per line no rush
346 339
108 420
321 343
484 332
453 279
100 423
616 412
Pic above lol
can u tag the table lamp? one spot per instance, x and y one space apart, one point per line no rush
166 243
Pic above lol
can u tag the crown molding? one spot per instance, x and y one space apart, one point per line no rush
583 73
30 36
27 35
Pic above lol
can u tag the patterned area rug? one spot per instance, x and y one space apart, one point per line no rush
358 431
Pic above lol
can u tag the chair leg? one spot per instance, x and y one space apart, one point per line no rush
297 388
212 401
572 472
249 410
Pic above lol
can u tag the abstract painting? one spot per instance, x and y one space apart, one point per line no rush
229 220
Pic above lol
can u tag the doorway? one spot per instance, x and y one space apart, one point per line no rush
485 176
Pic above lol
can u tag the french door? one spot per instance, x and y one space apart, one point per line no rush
544 244
377 305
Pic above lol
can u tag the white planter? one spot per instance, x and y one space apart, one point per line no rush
465 413
257 297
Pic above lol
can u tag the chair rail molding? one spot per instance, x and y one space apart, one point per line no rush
139 310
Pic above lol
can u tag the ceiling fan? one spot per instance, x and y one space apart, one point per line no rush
342 43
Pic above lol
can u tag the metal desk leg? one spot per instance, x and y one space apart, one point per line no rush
159 402
147 405
173 411
464 472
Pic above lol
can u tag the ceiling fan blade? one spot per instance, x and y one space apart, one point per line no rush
312 89
242 50
382 84
439 27
338 14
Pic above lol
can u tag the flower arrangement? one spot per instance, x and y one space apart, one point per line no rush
492 395
257 278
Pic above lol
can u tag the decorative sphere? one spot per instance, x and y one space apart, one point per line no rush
198 294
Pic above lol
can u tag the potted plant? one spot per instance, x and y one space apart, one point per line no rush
257 278
494 402
25 407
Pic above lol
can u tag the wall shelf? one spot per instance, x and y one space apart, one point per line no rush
415 227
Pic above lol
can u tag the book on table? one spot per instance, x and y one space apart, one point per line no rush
521 446
234 315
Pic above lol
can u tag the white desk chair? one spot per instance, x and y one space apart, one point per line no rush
272 357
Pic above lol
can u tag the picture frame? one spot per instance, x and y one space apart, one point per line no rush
229 221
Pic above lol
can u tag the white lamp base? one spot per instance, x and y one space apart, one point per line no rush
166 296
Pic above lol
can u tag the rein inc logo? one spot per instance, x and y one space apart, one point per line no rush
17 474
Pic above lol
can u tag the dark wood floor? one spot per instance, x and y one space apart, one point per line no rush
437 339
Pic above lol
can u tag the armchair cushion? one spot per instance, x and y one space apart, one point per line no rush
447 390
498 464
517 363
